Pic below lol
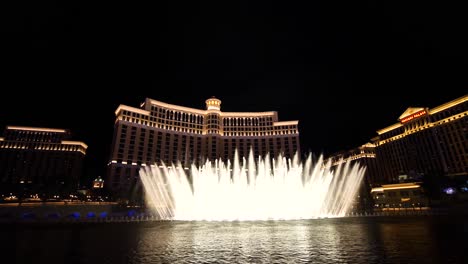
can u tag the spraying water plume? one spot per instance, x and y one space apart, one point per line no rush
254 189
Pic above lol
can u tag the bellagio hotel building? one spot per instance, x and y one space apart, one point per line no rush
160 132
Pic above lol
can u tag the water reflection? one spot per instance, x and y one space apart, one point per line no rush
406 238
345 240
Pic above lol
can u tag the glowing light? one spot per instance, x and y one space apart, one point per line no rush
397 186
286 123
449 104
449 190
262 189
413 116
39 129
400 186
74 143
131 109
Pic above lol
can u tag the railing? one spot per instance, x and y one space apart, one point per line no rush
416 211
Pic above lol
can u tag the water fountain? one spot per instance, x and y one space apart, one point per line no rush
254 189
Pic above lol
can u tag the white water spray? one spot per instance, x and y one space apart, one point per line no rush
254 189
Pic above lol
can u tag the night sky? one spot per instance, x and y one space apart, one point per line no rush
343 69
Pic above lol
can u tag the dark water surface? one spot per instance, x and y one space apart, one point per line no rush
419 239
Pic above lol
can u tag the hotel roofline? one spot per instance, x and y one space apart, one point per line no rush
286 123
430 112
131 109
71 142
203 112
39 129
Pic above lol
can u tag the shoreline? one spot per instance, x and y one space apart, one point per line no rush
113 213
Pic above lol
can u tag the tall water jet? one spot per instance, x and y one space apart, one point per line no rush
252 189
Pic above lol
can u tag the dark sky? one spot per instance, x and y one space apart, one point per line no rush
344 69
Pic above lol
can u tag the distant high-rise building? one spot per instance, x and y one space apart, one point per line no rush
161 132
424 143
41 161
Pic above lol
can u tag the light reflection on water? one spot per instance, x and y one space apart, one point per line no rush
345 240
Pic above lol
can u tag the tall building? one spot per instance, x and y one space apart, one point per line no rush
161 132
427 144
40 161
364 154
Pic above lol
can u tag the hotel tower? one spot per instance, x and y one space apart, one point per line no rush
425 142
41 161
160 132
426 145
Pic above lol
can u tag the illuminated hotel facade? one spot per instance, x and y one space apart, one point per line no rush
160 132
424 143
40 160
